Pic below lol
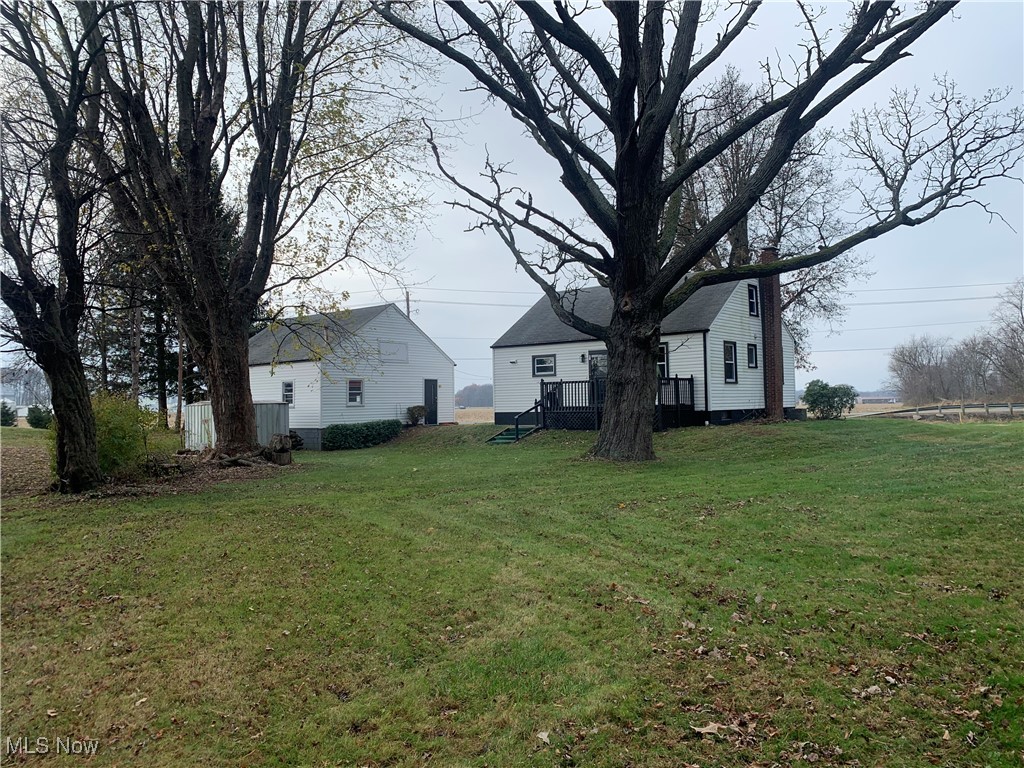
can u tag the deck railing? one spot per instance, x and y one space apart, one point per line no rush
580 404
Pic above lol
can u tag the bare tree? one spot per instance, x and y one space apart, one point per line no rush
1005 341
920 372
47 206
196 101
602 106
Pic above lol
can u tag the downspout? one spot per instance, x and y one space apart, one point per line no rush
704 340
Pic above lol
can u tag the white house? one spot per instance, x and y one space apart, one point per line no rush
716 338
349 367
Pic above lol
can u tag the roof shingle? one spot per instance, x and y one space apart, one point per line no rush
540 324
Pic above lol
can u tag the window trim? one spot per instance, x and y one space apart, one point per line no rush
727 347
753 301
752 348
348 393
554 365
662 347
291 394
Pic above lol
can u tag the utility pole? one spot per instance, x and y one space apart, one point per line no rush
408 310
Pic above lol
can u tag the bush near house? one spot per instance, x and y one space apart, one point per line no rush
39 417
828 402
340 437
8 416
416 414
120 434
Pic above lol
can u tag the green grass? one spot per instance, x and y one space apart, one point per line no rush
445 601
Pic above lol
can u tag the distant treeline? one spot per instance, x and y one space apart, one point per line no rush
475 396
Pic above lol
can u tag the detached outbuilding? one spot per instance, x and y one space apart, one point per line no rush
710 364
350 367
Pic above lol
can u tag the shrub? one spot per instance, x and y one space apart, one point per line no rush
338 437
39 417
416 413
8 416
828 402
120 434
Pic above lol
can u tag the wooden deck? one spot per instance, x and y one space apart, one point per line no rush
580 404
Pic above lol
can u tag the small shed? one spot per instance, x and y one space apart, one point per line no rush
271 419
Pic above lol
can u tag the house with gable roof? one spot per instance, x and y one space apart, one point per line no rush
710 362
349 367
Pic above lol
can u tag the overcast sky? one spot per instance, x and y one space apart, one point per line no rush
926 280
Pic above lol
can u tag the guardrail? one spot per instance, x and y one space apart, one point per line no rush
942 409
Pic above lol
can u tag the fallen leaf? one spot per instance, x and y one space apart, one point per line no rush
51 713
143 700
543 736
711 729
945 735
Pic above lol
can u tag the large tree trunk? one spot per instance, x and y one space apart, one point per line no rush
77 461
226 364
627 424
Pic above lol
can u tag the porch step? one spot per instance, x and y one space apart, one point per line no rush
508 435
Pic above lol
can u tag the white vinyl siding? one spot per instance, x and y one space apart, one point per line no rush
397 357
735 323
267 384
516 388
789 368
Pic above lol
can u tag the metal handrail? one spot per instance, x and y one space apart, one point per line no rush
536 407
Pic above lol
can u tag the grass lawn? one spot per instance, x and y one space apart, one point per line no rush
838 593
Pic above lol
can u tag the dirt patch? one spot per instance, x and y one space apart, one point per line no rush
24 470
474 415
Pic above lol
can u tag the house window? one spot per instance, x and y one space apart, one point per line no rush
730 362
663 361
598 364
751 355
355 391
543 365
288 393
752 300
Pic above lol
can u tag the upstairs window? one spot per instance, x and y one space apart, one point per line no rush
543 365
730 362
751 355
288 393
752 302
355 391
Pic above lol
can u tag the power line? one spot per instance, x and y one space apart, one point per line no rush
866 349
925 288
897 327
471 303
919 301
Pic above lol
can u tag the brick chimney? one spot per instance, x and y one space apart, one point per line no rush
771 327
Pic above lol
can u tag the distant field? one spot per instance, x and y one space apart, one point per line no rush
474 415
831 593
